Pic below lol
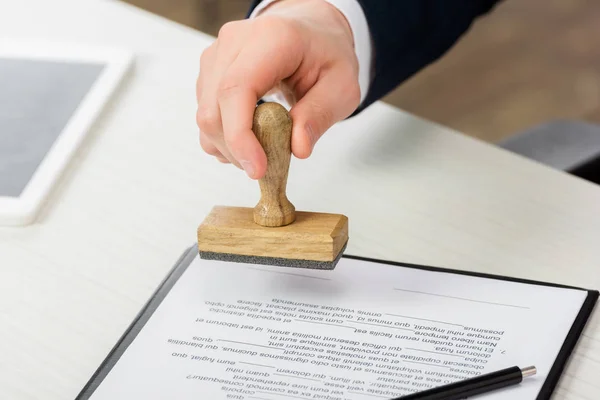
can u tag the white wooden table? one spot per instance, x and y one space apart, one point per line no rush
129 205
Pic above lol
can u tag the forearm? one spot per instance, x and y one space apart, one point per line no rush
408 35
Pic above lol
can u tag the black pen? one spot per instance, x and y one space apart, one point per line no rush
473 386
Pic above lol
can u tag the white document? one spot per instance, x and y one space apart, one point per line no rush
363 331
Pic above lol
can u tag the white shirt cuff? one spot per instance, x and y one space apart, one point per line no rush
355 16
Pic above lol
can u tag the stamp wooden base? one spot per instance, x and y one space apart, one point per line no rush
312 236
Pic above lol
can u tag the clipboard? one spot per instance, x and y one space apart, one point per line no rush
190 254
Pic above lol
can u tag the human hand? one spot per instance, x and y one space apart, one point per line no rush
302 48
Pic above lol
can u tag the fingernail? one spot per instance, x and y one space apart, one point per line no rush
248 167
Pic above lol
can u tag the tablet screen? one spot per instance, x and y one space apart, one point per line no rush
37 100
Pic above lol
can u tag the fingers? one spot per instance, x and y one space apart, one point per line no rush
334 97
208 116
204 120
237 105
237 70
256 70
209 148
245 63
211 130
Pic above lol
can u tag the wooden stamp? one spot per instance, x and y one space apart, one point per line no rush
273 232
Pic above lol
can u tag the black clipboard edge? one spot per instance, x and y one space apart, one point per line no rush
566 350
467 273
189 254
138 323
564 354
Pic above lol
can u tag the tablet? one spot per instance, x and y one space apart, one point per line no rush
50 95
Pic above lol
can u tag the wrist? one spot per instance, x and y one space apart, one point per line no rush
274 6
354 23
341 20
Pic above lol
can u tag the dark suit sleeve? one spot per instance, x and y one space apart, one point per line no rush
408 35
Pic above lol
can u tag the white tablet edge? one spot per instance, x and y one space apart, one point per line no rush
22 210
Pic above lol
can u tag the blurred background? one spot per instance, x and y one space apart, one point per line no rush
526 63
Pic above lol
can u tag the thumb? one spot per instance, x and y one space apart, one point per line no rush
330 100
